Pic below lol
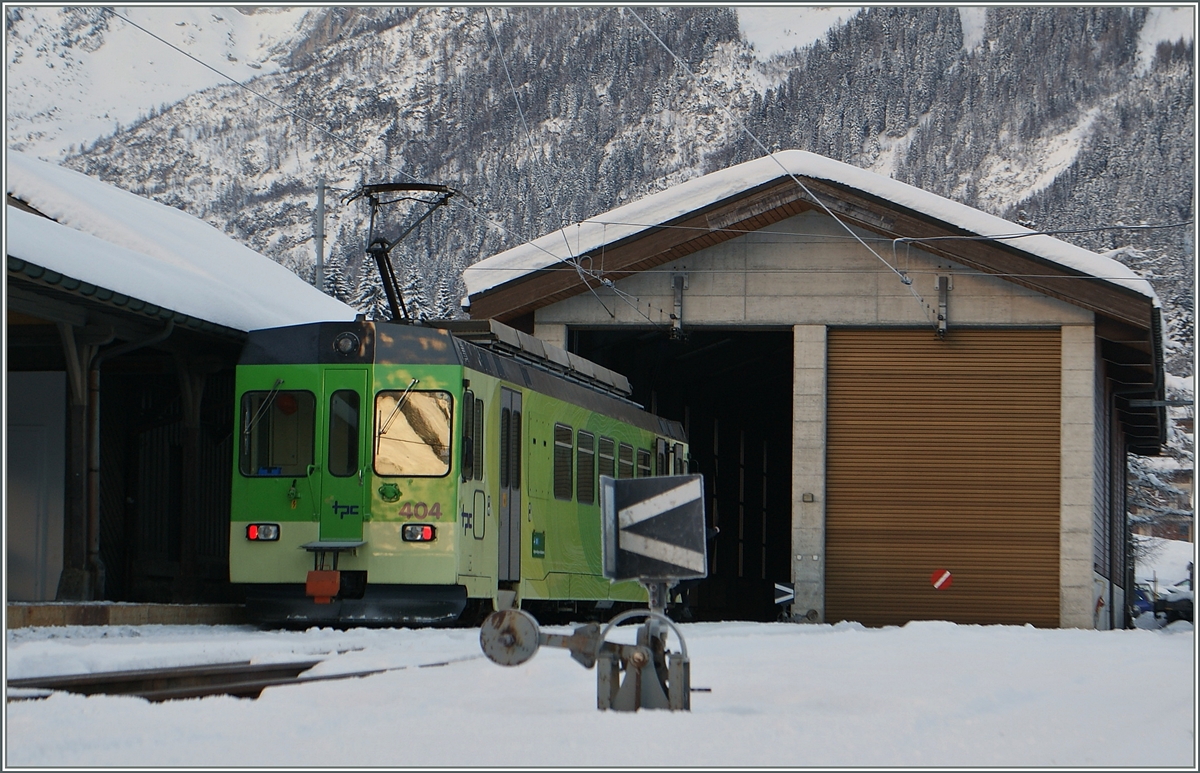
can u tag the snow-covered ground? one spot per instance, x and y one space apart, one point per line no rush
926 694
922 695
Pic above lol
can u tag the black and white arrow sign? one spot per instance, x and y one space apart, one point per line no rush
653 527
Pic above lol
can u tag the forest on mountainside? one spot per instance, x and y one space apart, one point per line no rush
607 116
1053 121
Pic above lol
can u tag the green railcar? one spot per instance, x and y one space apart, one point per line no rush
397 473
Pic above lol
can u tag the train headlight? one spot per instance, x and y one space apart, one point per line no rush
418 532
346 343
262 532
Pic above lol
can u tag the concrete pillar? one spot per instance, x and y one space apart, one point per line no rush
808 472
1077 471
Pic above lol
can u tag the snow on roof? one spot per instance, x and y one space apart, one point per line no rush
703 191
158 254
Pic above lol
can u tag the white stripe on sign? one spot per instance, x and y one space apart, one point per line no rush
940 581
662 551
659 504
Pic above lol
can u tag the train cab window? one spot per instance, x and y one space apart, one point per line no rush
412 433
643 463
510 449
563 451
477 472
504 446
624 461
472 437
585 468
514 437
343 432
608 459
277 432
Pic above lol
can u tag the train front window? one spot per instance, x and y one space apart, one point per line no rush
277 433
412 433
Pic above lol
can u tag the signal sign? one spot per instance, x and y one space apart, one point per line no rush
941 579
653 528
784 593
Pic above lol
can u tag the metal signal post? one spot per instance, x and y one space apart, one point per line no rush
653 532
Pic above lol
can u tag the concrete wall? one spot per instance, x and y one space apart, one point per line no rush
807 270
808 273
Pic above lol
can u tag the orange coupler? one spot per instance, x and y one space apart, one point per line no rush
323 585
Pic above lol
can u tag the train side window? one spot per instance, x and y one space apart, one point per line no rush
585 468
412 433
504 444
624 461
563 451
277 432
343 432
663 467
607 457
643 463
478 471
468 435
514 436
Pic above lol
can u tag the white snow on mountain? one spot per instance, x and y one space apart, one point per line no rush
74 74
781 29
1164 25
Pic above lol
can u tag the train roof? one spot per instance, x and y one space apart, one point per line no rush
484 345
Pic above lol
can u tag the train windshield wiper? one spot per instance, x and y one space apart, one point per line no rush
262 409
383 428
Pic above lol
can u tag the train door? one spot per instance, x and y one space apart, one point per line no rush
509 434
341 469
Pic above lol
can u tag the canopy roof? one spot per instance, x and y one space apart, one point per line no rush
90 237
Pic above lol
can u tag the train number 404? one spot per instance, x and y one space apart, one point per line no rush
421 510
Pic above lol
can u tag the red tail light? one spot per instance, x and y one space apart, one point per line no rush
418 532
262 532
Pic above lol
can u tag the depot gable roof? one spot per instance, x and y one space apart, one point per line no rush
726 204
722 205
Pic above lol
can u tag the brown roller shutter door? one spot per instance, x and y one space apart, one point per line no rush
943 455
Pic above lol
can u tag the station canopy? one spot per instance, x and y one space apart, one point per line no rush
84 236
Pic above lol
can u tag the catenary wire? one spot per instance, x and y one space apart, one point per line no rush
470 210
533 158
741 124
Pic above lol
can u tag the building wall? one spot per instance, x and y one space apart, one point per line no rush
807 274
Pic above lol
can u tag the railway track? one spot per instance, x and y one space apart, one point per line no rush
241 679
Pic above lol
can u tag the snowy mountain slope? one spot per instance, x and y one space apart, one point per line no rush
1046 116
75 73
1053 117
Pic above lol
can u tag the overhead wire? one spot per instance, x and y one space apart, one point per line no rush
533 159
574 263
456 202
742 125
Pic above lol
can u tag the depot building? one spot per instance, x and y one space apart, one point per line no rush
903 408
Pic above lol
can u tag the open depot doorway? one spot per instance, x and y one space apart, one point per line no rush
732 391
